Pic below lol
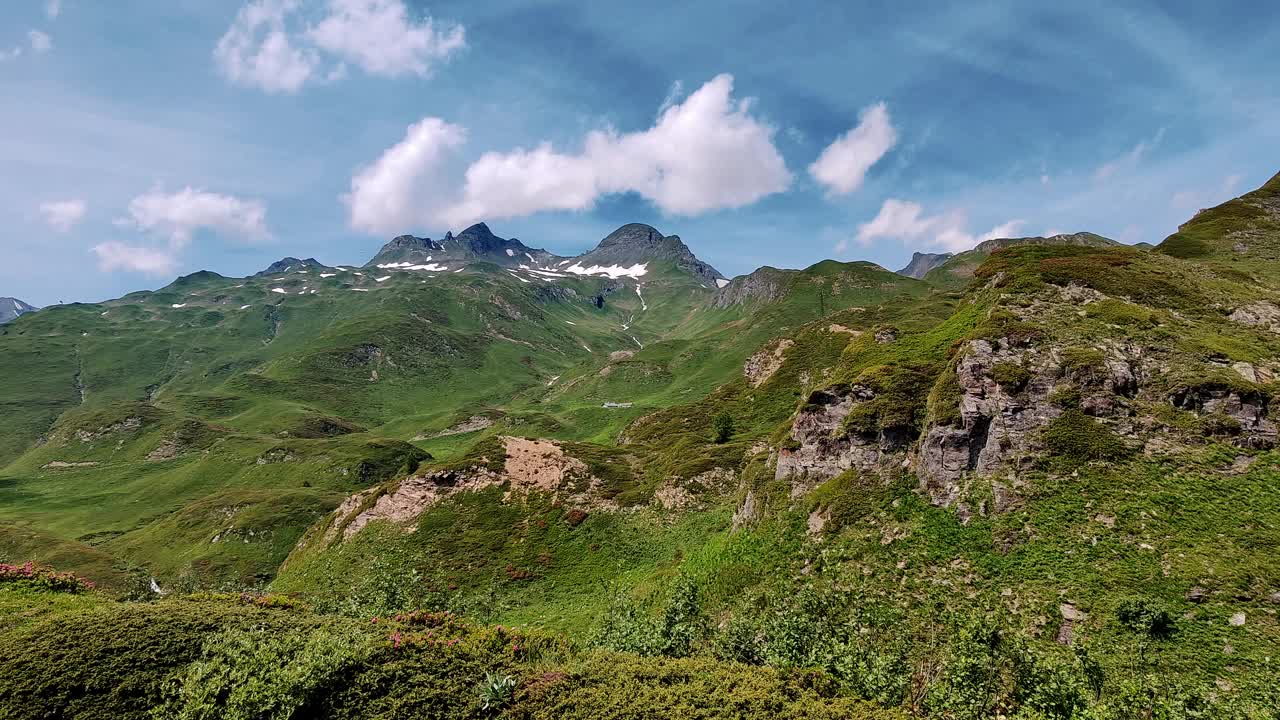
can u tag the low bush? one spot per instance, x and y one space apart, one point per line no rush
44 577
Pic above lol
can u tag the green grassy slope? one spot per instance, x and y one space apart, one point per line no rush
1097 544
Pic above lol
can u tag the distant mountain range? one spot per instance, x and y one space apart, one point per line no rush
629 251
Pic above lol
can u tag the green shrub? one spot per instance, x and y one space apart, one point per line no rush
246 674
675 633
723 426
1010 375
1118 312
1084 363
1145 617
1078 438
944 399
1065 397
44 577
110 662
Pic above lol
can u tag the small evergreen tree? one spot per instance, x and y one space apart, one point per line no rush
723 426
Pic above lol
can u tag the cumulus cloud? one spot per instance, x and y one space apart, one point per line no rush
258 52
406 186
179 215
380 38
62 215
705 153
10 54
53 8
119 256
906 221
40 42
843 165
269 46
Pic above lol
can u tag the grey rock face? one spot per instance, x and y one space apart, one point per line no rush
1260 314
475 244
11 308
922 263
822 448
1248 408
764 285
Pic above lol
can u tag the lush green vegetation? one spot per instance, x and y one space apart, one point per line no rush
1117 562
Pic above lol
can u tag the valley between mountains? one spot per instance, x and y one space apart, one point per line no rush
1036 479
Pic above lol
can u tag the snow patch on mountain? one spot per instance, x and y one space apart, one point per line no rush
613 272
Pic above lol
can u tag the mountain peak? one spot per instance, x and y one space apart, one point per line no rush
637 243
633 235
477 243
286 264
922 263
11 308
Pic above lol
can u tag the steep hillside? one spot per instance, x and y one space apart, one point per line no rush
1240 234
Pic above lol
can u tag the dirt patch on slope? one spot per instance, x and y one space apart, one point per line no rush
764 364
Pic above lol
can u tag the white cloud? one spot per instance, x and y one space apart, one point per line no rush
843 165
119 256
379 37
53 8
257 52
10 54
267 46
62 215
405 187
178 215
905 220
40 42
703 154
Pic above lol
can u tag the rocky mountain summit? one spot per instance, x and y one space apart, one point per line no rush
922 263
477 243
639 244
11 308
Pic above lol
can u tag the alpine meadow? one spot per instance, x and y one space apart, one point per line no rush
1024 477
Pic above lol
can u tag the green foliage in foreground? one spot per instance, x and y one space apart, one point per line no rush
225 657
248 657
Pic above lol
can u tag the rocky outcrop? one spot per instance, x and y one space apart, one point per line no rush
406 501
1260 314
1007 393
822 448
1246 408
764 285
530 466
761 366
922 263
998 424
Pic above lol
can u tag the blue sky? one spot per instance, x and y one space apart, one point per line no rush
145 139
